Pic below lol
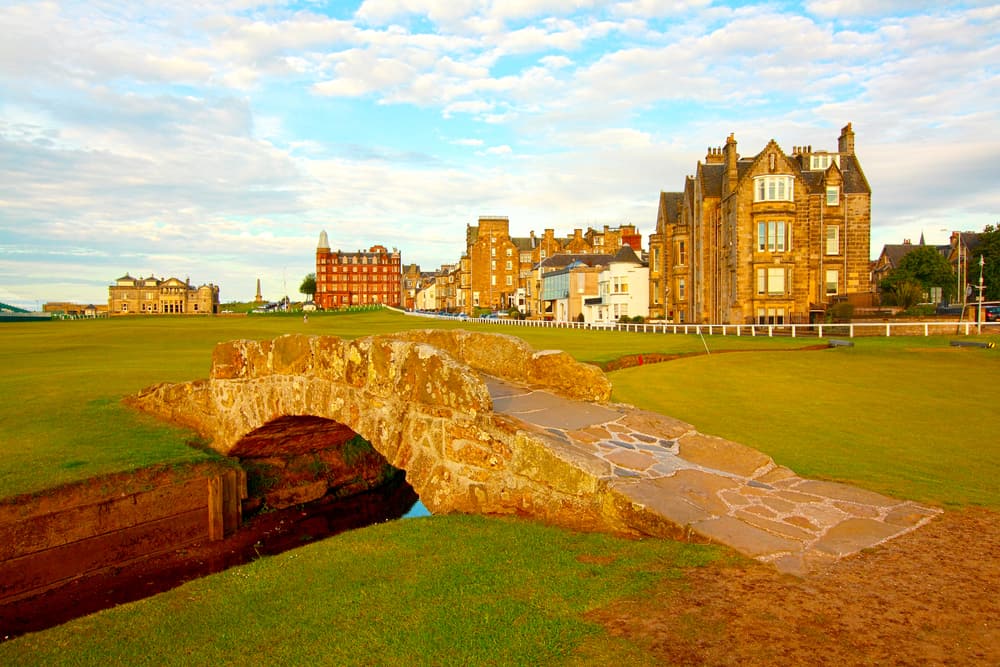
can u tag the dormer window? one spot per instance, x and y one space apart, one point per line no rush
832 195
822 161
774 188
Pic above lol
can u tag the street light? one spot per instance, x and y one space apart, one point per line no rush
979 319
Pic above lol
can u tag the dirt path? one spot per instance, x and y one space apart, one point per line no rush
929 598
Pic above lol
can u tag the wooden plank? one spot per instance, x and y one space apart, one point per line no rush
82 522
39 571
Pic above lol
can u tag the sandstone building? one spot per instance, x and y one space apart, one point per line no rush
773 238
153 296
357 278
497 270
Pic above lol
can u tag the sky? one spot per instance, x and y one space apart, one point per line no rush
215 140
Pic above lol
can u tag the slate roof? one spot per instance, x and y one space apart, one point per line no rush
626 256
563 260
670 204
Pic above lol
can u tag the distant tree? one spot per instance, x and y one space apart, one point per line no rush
925 267
308 285
989 249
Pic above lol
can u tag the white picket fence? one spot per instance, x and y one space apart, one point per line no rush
850 330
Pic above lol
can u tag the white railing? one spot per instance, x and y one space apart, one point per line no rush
827 330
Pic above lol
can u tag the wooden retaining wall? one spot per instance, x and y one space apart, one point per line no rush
51 538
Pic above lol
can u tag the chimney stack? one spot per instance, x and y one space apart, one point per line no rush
845 144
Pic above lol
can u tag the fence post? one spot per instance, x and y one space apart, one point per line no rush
888 330
852 330
793 331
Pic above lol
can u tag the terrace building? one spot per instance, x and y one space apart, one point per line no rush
499 271
357 278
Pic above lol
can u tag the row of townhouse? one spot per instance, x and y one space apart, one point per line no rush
772 238
499 271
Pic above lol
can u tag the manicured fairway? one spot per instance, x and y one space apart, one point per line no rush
61 381
909 417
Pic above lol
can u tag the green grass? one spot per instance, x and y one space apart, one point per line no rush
456 590
61 381
906 416
910 417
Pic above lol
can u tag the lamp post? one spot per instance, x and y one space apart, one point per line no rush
979 318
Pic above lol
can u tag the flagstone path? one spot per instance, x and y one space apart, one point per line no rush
710 487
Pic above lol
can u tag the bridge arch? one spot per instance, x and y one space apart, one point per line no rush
418 397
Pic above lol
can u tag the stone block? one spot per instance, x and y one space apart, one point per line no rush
853 535
748 540
720 454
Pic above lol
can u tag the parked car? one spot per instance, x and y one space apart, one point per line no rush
991 314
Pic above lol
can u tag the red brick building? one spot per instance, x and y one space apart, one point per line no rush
357 278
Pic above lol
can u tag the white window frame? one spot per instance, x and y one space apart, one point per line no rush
774 188
832 279
772 280
822 161
833 195
832 245
774 236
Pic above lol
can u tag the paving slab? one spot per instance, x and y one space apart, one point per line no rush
668 474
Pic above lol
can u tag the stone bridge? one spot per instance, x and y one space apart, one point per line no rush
481 423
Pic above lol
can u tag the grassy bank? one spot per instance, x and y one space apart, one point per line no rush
910 417
456 590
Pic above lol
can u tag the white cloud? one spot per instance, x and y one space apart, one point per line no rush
131 129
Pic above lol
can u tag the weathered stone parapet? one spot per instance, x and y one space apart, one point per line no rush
513 359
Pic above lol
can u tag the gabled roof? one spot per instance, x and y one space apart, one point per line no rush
711 179
524 242
626 256
895 252
670 206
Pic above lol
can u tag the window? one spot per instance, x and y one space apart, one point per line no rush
493 265
656 291
771 280
832 280
681 289
681 253
656 259
509 252
510 281
774 236
823 161
774 188
832 195
509 265
832 240
493 251
493 280
770 316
